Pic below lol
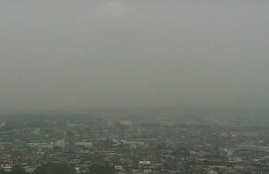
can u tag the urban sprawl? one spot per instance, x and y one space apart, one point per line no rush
134 144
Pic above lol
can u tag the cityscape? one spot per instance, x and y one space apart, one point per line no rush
134 87
143 142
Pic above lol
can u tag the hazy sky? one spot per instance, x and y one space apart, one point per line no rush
73 55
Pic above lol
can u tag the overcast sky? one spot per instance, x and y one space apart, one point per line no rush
74 55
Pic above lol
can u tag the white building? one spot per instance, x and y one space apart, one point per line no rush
46 145
60 143
86 144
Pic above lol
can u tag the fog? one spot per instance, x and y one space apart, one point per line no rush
75 55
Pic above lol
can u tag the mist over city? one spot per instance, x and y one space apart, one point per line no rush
72 56
134 87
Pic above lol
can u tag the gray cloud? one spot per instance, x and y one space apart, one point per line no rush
74 55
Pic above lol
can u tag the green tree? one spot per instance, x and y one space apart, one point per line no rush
17 170
54 168
97 169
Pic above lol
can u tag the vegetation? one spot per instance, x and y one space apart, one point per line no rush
15 170
97 169
54 168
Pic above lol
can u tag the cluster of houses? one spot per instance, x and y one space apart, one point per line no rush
130 147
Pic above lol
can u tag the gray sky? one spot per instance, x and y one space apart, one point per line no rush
74 55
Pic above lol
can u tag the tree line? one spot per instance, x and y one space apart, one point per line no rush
60 168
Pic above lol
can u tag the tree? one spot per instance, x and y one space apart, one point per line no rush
181 151
54 168
97 169
17 170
